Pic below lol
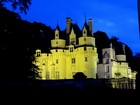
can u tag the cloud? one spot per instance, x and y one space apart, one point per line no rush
105 23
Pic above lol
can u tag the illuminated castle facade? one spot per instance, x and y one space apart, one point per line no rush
78 54
74 50
114 66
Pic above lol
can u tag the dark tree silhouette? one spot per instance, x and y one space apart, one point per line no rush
136 66
16 47
102 41
22 5
119 49
79 76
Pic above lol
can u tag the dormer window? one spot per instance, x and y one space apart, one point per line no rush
38 54
71 49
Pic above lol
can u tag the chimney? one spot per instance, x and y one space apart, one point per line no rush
68 25
90 26
123 48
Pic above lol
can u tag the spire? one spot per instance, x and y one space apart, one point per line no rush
85 24
57 26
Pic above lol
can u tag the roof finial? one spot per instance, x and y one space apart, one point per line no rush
57 26
85 17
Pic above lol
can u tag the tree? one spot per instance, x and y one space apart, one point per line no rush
102 41
16 47
136 66
119 49
22 5
79 76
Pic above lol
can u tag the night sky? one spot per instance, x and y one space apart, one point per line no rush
115 17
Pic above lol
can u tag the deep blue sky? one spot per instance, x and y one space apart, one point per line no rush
115 17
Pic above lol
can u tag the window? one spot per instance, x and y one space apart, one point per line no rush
71 49
107 69
106 76
84 32
47 75
57 74
73 60
56 42
56 60
84 48
106 61
43 61
85 59
84 39
38 54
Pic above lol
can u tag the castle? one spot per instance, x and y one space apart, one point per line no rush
74 50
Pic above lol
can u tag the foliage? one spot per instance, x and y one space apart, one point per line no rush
22 5
102 41
136 61
16 47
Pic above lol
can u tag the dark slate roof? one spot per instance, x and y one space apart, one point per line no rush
77 31
57 27
87 27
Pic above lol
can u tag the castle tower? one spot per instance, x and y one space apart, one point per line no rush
86 38
68 25
57 42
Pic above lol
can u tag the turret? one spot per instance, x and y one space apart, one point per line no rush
57 42
57 32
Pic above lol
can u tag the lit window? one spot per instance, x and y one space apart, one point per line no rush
56 60
38 54
84 39
86 59
71 49
57 74
73 60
